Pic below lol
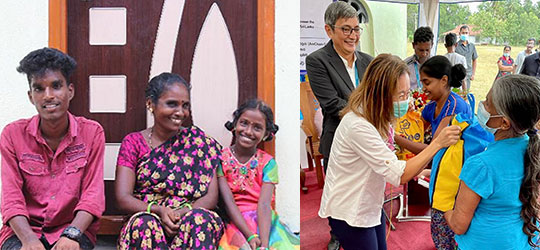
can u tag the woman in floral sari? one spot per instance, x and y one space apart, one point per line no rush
166 178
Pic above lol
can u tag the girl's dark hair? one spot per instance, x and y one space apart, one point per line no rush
256 104
517 97
439 66
507 46
450 39
161 82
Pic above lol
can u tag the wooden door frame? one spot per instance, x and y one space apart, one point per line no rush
265 47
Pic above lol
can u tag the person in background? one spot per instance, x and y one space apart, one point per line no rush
335 71
525 53
531 65
450 42
468 50
52 164
505 63
497 203
361 163
422 44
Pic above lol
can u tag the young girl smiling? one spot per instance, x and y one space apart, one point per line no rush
247 180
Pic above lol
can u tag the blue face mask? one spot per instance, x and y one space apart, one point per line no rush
506 54
400 108
483 118
464 37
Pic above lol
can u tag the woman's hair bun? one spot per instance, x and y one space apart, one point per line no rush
457 74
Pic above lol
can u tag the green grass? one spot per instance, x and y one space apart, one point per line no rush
486 66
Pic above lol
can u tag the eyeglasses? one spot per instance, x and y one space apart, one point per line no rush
404 95
347 30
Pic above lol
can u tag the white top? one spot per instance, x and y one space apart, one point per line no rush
359 165
350 70
519 60
456 58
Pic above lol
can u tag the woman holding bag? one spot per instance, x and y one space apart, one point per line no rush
361 162
502 180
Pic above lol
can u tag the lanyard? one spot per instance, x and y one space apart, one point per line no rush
355 75
418 82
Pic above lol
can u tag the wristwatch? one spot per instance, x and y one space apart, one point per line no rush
72 233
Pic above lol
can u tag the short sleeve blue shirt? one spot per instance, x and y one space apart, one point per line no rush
453 105
496 175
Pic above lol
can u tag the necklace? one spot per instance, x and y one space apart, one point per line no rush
244 174
150 137
237 156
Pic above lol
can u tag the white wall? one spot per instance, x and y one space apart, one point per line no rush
287 109
24 26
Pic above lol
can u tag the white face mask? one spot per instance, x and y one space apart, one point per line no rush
484 116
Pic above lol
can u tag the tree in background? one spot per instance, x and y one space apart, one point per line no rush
508 22
486 19
501 22
452 15
412 20
537 9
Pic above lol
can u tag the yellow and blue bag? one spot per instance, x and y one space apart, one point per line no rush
447 163
411 127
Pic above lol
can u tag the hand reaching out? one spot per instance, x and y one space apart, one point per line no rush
448 136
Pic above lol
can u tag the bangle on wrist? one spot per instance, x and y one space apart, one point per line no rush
150 206
253 236
186 205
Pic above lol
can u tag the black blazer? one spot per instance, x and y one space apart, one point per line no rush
531 65
332 86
